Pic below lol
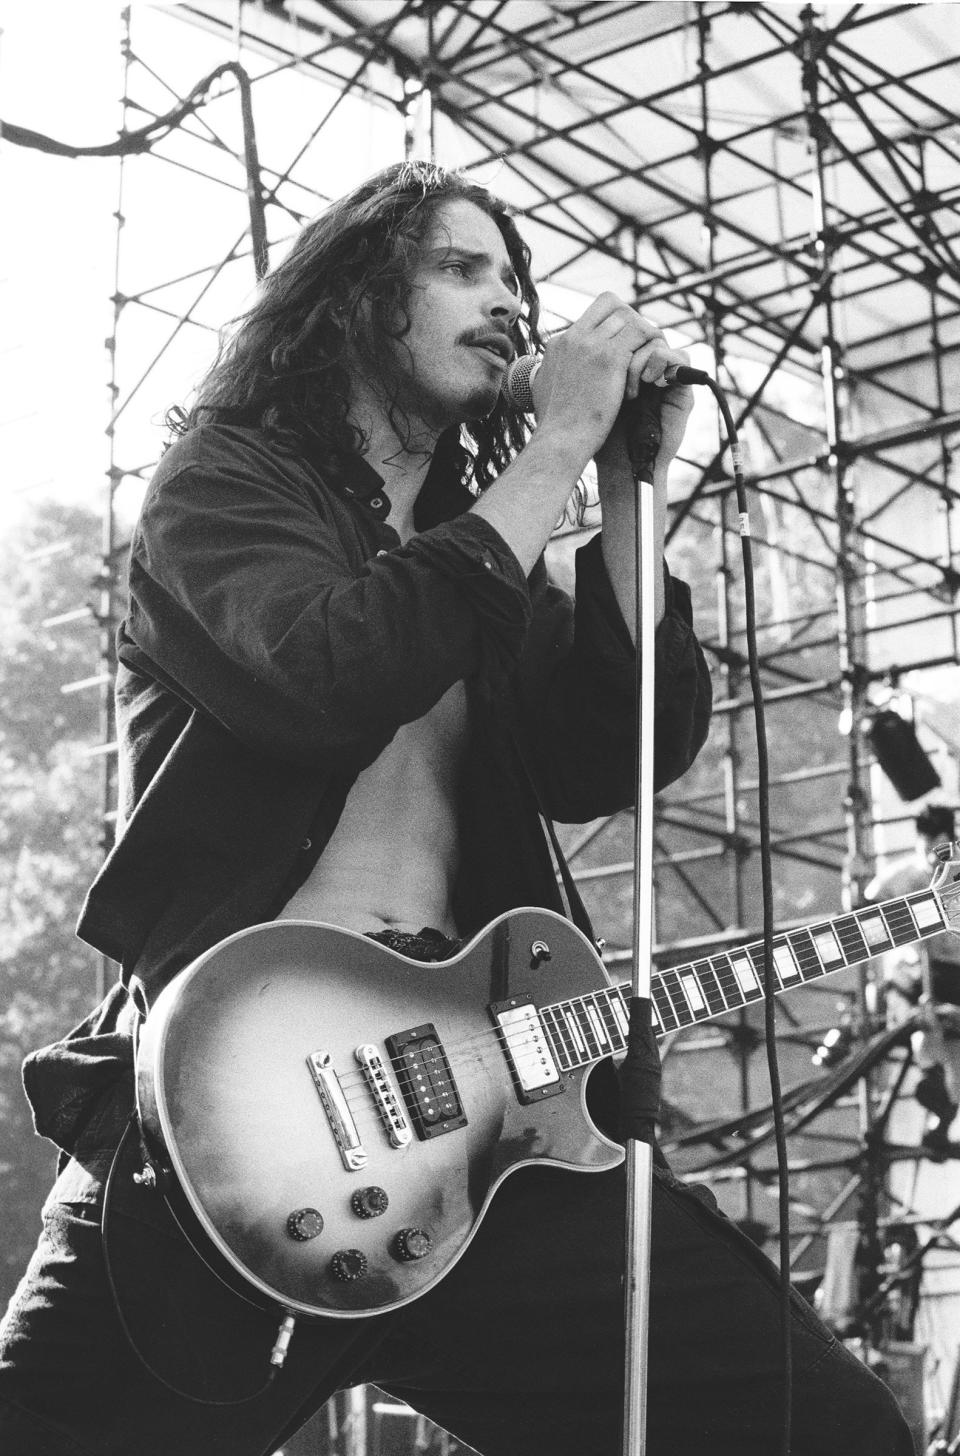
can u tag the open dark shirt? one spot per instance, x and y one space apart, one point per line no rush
277 635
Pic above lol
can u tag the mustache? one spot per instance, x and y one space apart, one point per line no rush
491 334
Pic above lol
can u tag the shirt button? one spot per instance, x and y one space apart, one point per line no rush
381 553
376 501
306 843
488 565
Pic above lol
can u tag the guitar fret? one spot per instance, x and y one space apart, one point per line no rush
675 991
828 947
617 1039
746 975
578 1048
693 991
785 961
807 956
727 981
874 929
619 1008
926 912
597 1024
559 1036
661 999
900 922
712 989
759 961
589 1027
854 946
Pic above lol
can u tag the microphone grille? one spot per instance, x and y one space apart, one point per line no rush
516 381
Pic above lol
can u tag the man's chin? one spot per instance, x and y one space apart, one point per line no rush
482 402
475 403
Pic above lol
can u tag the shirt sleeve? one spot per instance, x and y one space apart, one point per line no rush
251 601
577 702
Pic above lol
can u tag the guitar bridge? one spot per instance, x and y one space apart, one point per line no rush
339 1116
388 1103
426 1081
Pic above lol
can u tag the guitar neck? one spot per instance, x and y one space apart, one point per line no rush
586 1028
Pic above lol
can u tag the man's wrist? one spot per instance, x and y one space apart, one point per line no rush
557 453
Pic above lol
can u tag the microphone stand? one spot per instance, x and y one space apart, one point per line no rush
640 1070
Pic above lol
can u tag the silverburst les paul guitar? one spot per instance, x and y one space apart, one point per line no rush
339 1117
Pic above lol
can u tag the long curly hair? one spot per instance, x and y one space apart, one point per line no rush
342 291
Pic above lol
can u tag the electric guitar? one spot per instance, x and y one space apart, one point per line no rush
339 1116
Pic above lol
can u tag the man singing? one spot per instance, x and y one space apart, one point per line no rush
348 693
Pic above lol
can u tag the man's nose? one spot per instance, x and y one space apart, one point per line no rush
504 305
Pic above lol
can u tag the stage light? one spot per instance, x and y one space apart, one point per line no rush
899 753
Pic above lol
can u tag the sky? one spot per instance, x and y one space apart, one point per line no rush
61 74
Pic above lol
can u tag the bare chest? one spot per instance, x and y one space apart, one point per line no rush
392 858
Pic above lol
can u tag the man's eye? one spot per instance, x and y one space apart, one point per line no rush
457 267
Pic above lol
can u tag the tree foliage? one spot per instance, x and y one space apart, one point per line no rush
50 811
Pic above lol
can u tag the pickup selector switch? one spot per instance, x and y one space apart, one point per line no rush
304 1224
410 1244
347 1265
369 1202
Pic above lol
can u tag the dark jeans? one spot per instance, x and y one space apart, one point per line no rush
518 1350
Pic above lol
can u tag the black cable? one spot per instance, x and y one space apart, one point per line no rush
130 1128
129 143
769 980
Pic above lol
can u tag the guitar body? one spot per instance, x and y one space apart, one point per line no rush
286 1146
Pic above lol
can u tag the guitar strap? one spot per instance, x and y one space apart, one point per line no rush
576 911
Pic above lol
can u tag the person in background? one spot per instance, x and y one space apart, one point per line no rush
926 975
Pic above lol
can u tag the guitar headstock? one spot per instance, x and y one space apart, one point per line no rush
946 881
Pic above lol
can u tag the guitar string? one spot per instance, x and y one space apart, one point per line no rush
805 956
688 1015
508 1040
360 1097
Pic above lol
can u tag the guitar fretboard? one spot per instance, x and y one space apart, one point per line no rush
586 1028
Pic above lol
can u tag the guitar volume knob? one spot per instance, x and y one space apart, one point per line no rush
410 1244
347 1265
304 1224
369 1202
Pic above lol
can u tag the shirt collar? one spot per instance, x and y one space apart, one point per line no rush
361 483
441 498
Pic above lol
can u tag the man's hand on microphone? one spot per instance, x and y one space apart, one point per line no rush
597 364
583 376
586 374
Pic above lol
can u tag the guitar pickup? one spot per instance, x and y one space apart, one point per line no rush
528 1053
426 1081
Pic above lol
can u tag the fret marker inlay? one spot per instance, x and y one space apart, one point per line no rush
693 993
745 973
926 912
785 963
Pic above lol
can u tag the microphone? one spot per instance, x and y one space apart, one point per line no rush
517 386
640 417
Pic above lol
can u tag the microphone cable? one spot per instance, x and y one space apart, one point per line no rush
641 420
766 881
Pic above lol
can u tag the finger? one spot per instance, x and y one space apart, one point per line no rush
603 307
655 358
